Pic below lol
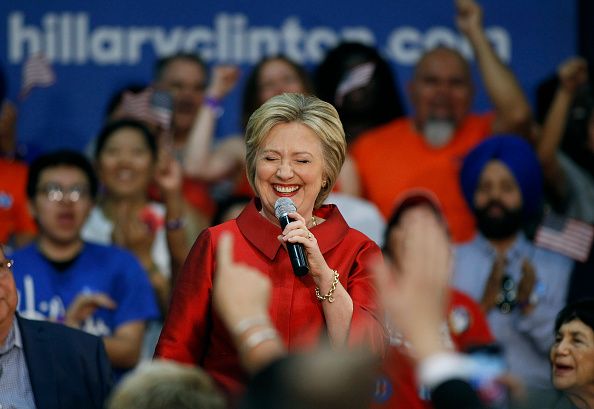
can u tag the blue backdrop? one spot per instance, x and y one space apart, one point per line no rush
96 47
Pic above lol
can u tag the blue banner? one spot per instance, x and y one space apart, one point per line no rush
97 47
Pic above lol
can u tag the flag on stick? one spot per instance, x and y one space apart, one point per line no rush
37 72
570 237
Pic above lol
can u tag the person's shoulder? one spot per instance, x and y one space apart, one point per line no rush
547 257
65 334
380 132
24 253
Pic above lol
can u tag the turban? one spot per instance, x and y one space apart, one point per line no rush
521 160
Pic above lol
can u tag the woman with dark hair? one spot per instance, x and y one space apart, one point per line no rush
271 76
127 161
572 355
361 85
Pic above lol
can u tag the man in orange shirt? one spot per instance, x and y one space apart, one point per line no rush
426 149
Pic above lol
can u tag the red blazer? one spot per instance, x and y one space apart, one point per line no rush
194 334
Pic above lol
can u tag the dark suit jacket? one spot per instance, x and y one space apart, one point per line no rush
67 368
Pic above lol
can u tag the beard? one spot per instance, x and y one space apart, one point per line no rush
503 226
438 132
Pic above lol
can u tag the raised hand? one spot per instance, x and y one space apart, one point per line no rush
85 305
573 74
469 17
224 79
239 291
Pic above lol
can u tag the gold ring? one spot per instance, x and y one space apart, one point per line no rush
309 235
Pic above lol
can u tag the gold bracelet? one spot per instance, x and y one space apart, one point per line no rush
328 296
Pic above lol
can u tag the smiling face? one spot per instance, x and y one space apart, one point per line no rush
125 164
441 88
60 219
289 164
572 358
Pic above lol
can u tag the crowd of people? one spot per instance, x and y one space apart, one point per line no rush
447 253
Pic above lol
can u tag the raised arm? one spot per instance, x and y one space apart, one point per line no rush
200 158
573 74
512 110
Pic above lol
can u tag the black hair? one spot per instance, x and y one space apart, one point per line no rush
58 158
226 204
162 63
582 310
251 94
112 127
385 105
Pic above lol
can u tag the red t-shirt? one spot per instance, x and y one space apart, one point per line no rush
14 213
397 387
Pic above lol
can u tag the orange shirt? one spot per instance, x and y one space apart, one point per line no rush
14 213
394 158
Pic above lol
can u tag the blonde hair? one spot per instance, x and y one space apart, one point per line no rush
166 384
319 116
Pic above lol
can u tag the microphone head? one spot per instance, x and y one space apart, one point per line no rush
283 206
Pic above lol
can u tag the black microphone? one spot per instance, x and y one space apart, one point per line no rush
282 208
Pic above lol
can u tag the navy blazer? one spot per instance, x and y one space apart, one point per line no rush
67 368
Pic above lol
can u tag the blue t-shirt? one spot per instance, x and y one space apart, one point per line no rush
46 292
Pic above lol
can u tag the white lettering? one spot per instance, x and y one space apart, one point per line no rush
262 38
68 38
137 37
501 41
19 36
440 36
292 34
404 45
318 42
199 39
167 44
107 45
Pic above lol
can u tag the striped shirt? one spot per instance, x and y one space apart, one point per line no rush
15 387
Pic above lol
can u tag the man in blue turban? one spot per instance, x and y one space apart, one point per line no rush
520 287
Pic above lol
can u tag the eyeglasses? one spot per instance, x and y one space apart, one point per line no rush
507 297
57 193
5 267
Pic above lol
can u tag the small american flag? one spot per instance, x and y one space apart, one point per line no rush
149 106
357 77
570 237
37 72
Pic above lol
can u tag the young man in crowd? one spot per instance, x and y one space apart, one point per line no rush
102 290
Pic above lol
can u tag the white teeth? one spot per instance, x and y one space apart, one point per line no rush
285 189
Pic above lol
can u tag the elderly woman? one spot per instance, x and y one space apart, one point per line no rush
572 355
295 148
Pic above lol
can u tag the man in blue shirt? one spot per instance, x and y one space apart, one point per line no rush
520 287
102 290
